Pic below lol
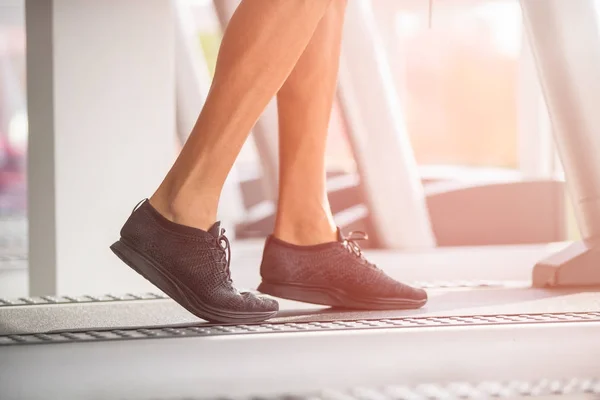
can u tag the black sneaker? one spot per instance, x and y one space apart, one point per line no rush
190 265
333 274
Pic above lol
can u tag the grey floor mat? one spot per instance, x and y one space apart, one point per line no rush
508 299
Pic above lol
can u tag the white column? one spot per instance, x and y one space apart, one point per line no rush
536 148
101 103
378 133
566 46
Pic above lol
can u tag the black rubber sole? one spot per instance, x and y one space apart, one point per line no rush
179 292
335 298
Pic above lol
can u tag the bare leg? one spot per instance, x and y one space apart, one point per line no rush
261 45
304 103
335 272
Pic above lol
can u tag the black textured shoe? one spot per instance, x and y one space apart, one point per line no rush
333 274
190 265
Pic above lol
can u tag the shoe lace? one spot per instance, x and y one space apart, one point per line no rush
225 246
350 242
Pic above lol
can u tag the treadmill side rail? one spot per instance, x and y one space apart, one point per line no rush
577 265
568 64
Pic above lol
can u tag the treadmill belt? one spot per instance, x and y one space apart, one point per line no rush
160 313
572 388
195 330
575 388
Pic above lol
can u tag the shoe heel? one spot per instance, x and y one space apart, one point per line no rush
124 253
143 267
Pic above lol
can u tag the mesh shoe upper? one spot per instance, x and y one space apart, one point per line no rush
197 258
338 265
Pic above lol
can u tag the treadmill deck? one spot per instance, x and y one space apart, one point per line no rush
528 342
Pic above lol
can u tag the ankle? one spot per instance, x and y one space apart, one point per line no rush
186 209
305 233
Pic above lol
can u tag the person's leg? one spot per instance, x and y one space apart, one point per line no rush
261 45
307 258
173 239
304 106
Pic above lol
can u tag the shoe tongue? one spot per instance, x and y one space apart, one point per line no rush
215 230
